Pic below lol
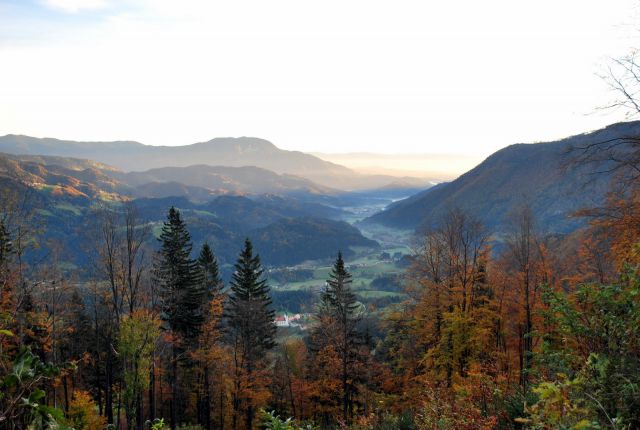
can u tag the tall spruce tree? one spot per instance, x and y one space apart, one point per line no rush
339 309
178 278
211 282
251 319
211 286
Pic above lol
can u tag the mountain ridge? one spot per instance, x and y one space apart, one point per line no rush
518 174
232 152
64 202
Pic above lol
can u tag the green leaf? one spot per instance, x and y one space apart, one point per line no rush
36 395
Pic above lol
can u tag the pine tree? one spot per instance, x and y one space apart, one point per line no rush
251 320
338 300
339 310
179 280
211 287
178 277
211 282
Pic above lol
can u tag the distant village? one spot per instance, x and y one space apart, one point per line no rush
301 321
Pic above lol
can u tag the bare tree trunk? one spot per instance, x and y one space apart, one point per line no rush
139 411
152 390
174 388
250 411
221 408
207 399
119 406
108 384
290 383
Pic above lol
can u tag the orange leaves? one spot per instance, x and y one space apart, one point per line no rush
446 409
209 347
618 223
83 413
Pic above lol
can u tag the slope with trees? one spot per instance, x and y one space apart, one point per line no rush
534 174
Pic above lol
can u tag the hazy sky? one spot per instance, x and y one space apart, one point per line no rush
331 76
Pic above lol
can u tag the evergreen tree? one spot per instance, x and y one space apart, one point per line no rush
212 290
338 300
251 320
211 282
179 280
339 315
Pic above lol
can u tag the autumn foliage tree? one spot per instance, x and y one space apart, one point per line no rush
138 335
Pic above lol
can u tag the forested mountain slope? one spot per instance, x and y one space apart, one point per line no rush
532 174
224 179
63 203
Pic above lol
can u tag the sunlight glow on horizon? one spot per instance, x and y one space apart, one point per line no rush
458 77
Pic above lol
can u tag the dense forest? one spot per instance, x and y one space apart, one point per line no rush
526 330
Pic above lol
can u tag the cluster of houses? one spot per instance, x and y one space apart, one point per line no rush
296 320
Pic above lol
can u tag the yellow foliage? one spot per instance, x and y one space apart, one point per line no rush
83 413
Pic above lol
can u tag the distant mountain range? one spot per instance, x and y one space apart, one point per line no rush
230 152
63 193
222 180
199 182
515 175
269 195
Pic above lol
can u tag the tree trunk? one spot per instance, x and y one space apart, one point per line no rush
527 341
66 394
221 407
119 407
109 381
207 399
152 391
250 411
139 411
174 389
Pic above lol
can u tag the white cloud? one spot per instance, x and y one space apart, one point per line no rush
74 6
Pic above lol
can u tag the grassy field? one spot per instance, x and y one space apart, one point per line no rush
389 238
364 267
377 294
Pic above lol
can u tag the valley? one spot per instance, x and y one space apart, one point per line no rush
282 214
416 268
297 226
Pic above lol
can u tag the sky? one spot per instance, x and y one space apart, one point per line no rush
332 76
